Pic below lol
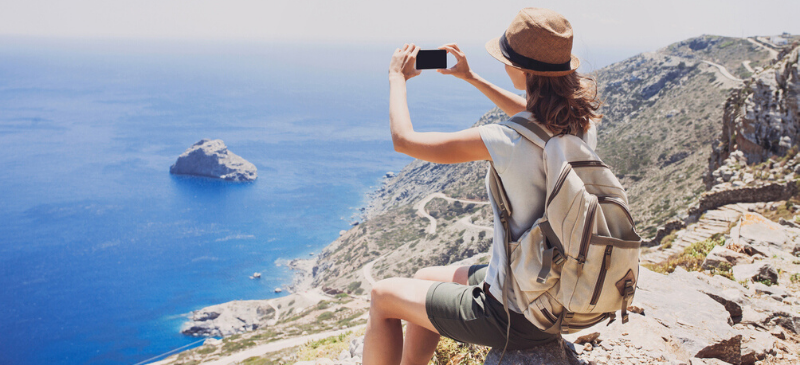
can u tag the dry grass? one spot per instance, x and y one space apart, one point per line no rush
450 352
692 257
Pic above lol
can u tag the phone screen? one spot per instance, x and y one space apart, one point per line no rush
431 58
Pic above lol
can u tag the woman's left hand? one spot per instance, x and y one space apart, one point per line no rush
404 62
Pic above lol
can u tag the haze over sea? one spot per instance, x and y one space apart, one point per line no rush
102 251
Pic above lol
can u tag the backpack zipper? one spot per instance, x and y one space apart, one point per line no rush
550 316
620 203
598 288
589 163
587 231
561 178
584 326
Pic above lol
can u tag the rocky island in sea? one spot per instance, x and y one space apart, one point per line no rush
211 158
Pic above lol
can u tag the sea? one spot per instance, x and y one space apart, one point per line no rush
103 252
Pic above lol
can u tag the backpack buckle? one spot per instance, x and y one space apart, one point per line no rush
558 257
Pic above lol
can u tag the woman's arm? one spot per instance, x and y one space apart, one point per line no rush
462 146
506 100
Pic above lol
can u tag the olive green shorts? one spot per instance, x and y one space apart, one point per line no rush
467 314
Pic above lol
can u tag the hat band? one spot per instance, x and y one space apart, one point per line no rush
530 63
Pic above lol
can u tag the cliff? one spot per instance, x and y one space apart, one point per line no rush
720 286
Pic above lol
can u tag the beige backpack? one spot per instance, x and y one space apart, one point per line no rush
578 264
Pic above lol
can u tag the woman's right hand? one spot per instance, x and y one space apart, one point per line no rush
461 68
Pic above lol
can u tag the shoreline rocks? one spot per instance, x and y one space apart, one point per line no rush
211 158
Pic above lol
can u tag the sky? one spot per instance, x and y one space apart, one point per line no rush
604 23
605 31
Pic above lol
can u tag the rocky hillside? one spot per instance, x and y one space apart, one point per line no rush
719 284
761 120
662 111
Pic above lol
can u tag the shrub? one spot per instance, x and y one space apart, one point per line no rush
666 242
205 350
324 316
691 258
452 352
353 286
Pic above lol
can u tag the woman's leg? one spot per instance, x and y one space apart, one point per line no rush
420 343
455 274
392 300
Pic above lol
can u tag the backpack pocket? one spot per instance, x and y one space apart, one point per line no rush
543 312
528 257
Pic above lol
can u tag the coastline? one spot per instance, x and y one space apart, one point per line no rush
213 321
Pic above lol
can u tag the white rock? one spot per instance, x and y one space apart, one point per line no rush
755 272
211 158
357 347
720 255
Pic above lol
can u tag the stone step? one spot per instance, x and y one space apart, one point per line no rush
716 224
707 231
694 236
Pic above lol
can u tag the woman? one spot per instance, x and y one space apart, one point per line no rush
459 302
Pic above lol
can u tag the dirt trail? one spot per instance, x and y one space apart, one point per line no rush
724 71
420 207
747 67
367 271
273 346
772 53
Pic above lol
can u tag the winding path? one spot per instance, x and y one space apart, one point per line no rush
747 67
272 322
367 270
724 71
273 346
772 53
420 207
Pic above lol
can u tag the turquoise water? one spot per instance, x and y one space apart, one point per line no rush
102 251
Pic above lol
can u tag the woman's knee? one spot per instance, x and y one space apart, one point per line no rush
428 273
383 289
456 274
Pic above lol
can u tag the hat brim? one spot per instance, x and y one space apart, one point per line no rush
493 46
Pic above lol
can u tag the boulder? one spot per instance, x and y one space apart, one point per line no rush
698 325
774 291
556 353
720 255
211 158
357 347
759 271
756 230
730 294
679 321
756 345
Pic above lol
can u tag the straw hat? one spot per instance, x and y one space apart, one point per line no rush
538 41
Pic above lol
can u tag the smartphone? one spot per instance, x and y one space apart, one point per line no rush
431 58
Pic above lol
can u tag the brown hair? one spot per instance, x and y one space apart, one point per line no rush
563 104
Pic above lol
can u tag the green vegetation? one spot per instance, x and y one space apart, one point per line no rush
353 286
205 350
329 347
666 242
452 352
692 257
767 282
231 344
324 316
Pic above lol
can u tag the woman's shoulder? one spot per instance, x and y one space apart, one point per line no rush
500 132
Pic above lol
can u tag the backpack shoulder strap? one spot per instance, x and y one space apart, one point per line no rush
531 130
